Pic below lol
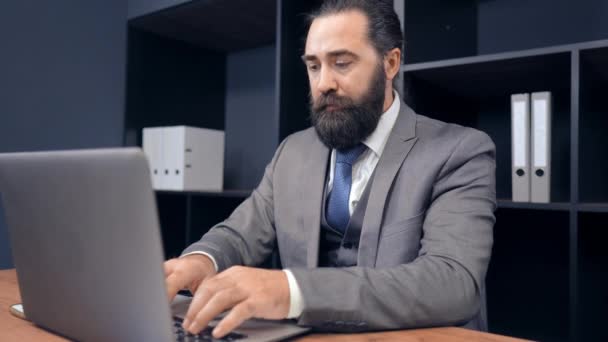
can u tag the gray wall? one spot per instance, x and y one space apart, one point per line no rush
251 116
62 67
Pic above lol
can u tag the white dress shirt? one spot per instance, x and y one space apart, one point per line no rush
362 171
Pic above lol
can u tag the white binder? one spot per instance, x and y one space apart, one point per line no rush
520 147
194 159
185 158
153 148
203 159
541 148
173 142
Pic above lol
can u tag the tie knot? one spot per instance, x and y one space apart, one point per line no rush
350 155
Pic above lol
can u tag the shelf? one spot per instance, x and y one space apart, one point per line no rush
503 56
214 24
225 193
463 61
593 207
508 204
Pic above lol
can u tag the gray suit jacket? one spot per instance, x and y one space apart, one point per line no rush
426 237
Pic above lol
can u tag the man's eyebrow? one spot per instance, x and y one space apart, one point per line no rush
343 52
307 58
336 53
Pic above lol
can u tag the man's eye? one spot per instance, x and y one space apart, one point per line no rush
313 67
343 65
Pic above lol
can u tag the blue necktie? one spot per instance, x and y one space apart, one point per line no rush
337 214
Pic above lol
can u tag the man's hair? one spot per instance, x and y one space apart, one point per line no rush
384 27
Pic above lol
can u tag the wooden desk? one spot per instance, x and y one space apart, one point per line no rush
15 329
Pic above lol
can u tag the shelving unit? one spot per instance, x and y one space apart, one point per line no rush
463 61
229 65
235 65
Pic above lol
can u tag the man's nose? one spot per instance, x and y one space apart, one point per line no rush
327 82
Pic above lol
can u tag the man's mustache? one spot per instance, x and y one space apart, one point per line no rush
332 99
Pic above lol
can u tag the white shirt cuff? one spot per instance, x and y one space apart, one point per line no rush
205 254
296 303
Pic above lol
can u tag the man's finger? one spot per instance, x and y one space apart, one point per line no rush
175 282
168 266
239 314
218 303
202 295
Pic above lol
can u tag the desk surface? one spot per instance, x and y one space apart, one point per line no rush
15 329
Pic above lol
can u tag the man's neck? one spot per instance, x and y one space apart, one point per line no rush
389 97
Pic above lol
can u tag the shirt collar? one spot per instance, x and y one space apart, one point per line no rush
377 140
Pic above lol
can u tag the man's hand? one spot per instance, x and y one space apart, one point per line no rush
187 272
249 292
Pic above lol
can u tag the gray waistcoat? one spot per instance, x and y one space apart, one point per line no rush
337 249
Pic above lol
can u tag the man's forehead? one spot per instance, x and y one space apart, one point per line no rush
335 32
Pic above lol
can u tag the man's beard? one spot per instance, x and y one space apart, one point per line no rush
352 122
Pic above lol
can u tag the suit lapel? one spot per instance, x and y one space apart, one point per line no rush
401 140
313 185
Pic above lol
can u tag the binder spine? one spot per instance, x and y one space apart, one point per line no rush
541 148
520 143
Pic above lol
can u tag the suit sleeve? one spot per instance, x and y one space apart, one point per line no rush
248 236
442 285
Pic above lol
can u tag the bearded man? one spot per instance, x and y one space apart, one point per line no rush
382 217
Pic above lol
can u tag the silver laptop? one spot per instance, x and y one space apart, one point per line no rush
86 243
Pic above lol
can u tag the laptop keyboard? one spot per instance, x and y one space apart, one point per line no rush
204 335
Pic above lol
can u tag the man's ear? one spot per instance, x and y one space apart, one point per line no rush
392 63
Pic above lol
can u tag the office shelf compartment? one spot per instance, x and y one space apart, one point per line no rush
172 216
207 211
593 143
477 91
528 277
170 82
592 276
186 216
437 29
222 25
